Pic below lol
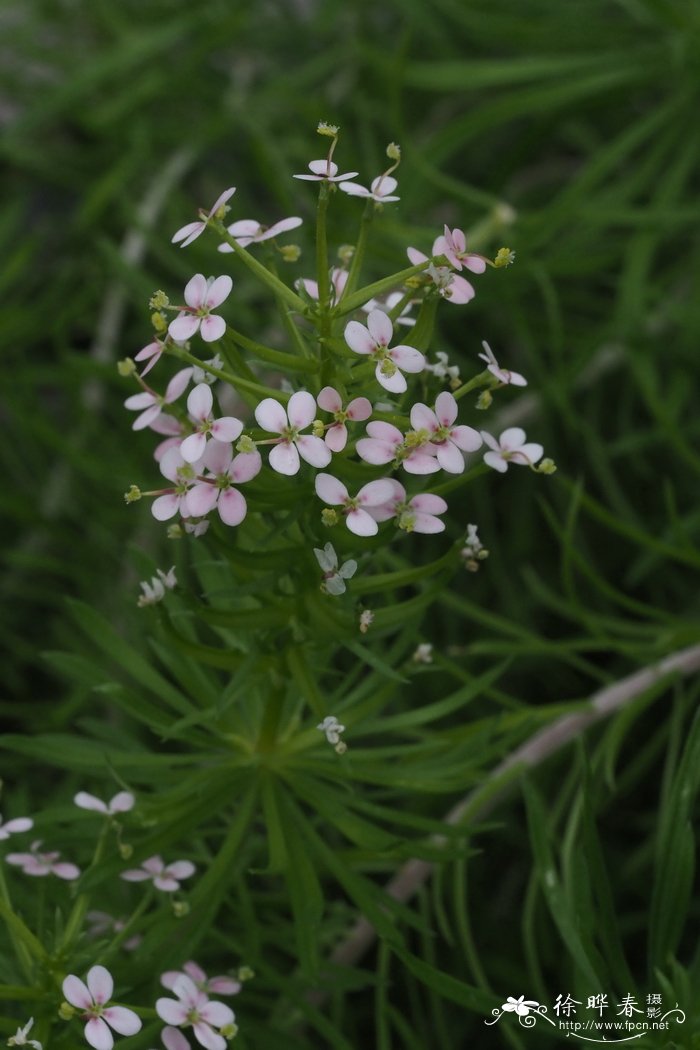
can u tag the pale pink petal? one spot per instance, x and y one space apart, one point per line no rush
86 801
330 490
248 228
376 492
212 328
195 972
76 992
513 437
415 256
188 992
450 458
224 986
354 189
359 409
314 450
460 291
380 327
361 523
166 424
207 1037
490 440
183 327
196 291
181 869
172 1011
375 451
201 499
358 338
142 400
396 384
154 865
218 456
188 233
122 802
164 508
284 458
98 1034
407 358
283 226
168 978
147 418
245 466
310 287
173 1039
166 883
347 175
384 431
329 399
429 503
18 824
493 459
192 448
200 402
474 263
270 415
122 1020
64 870
135 875
427 524
531 452
466 438
177 385
301 409
219 290
337 437
217 1014
100 984
227 428
423 418
385 184
419 462
324 168
221 199
446 408
232 507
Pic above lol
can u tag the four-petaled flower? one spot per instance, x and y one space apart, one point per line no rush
355 508
333 577
199 405
325 171
503 375
358 410
453 245
193 1007
202 296
122 802
35 863
450 286
386 443
221 985
299 414
151 404
20 1037
183 475
12 827
374 340
447 442
192 230
511 447
166 878
216 489
93 999
380 189
250 231
417 514
520 1006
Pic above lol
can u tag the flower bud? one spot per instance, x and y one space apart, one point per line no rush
180 909
393 151
504 257
159 322
66 1012
331 130
484 400
133 494
125 850
245 973
547 466
127 367
245 444
229 1031
290 253
174 532
366 617
158 301
318 428
340 748
345 253
329 517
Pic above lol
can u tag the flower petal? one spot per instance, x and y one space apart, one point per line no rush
232 507
85 801
423 418
359 409
217 1014
493 459
450 458
200 402
358 338
219 290
245 466
173 1039
513 437
407 358
172 1011
218 456
466 438
196 291
380 327
212 328
361 523
122 802
188 233
192 448
396 384
183 327
98 1034
201 499
446 408
337 437
76 992
122 1020
428 524
100 983
284 458
377 492
328 399
207 1037
301 409
64 870
314 450
165 507
181 869
330 490
270 415
227 428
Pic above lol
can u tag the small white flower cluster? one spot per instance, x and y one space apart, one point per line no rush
155 590
332 729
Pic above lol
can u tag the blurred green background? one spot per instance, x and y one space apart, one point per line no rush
569 133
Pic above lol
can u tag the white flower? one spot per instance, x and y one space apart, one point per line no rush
193 1007
20 1037
332 728
333 577
154 592
380 190
501 374
511 447
423 653
520 1006
13 826
164 878
200 375
442 369
92 999
121 803
366 617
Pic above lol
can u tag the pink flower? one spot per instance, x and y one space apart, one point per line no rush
151 353
447 441
202 296
453 245
35 863
151 404
164 878
250 231
510 448
199 405
417 514
386 443
379 191
221 985
193 1007
325 171
12 827
216 490
374 341
357 518
121 803
501 374
92 999
183 475
339 278
358 410
192 230
449 285
299 414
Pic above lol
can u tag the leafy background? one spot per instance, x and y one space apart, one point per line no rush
582 119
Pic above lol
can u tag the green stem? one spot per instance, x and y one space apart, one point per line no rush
482 379
75 919
277 286
274 357
322 276
236 381
360 248
351 302
121 936
23 940
271 716
292 328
